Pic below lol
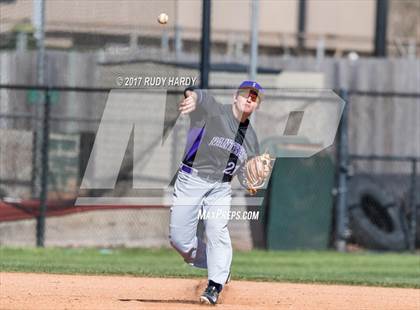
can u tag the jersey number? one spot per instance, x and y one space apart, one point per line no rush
231 168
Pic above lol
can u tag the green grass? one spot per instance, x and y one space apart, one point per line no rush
374 269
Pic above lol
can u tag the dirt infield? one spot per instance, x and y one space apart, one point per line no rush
50 291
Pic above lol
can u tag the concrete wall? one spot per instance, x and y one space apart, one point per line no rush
110 228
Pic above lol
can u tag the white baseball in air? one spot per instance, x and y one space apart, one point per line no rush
353 56
163 18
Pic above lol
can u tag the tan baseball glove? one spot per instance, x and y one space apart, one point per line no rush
256 172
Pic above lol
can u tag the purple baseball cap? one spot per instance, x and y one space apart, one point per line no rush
251 85
254 86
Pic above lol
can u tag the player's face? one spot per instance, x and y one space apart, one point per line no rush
246 101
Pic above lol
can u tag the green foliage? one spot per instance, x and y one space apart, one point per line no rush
376 269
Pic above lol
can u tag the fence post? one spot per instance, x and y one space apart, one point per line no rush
341 209
40 228
413 207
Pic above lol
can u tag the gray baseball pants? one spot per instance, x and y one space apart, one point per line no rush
192 194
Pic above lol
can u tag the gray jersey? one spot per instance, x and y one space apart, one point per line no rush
224 143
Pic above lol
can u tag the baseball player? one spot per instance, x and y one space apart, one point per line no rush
219 143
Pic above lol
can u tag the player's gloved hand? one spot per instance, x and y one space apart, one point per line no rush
189 104
256 172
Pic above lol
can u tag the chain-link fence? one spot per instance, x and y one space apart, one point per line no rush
378 203
67 125
377 157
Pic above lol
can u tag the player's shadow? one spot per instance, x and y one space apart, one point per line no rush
170 301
